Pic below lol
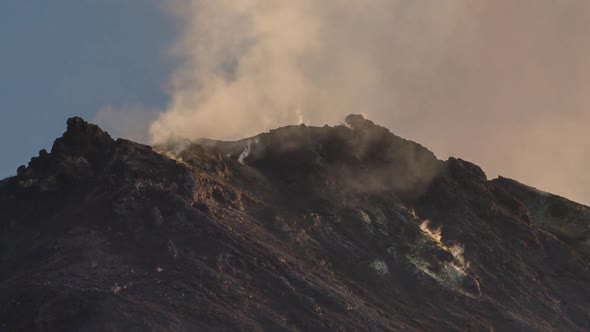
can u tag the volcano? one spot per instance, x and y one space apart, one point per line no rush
344 228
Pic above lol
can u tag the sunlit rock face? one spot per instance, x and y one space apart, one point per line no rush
301 228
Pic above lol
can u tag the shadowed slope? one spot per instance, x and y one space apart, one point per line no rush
300 228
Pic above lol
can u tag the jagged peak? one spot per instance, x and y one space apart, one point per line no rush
358 121
463 168
81 137
82 147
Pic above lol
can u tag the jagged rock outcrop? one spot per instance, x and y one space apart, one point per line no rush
567 220
301 228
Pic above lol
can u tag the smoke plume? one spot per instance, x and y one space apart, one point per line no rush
502 83
252 65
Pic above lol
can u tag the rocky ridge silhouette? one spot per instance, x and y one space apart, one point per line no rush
340 228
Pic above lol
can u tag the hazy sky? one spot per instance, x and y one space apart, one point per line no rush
502 83
61 58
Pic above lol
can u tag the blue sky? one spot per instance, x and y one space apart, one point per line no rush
62 58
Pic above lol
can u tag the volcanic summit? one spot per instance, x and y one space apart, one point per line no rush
342 228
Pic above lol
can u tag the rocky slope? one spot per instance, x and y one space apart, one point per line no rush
342 228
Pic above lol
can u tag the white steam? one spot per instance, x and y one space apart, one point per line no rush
252 65
501 83
459 265
434 234
245 153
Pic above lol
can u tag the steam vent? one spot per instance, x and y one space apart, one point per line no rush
344 228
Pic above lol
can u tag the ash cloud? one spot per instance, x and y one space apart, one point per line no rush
501 83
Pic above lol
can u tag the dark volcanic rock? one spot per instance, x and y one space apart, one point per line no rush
301 228
567 220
